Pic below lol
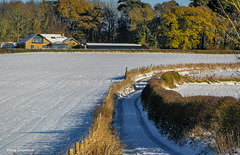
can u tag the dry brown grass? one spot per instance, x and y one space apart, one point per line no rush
101 138
227 143
19 50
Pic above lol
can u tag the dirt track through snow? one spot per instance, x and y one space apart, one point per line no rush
140 134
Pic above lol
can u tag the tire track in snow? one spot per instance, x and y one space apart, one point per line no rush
64 141
50 113
149 133
23 93
50 89
132 128
39 90
39 123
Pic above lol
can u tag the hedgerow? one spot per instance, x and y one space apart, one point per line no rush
177 116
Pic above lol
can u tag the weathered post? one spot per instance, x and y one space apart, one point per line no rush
70 152
126 73
77 151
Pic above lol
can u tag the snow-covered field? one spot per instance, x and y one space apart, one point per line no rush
47 99
214 89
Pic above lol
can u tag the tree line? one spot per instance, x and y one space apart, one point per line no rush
201 25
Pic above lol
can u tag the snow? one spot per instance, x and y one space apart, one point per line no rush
53 38
232 74
47 99
213 89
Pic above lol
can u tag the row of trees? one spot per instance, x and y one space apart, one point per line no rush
18 19
167 25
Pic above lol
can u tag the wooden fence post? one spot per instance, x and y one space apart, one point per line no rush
70 152
77 151
126 72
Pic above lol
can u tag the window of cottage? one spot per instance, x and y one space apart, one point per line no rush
38 39
44 46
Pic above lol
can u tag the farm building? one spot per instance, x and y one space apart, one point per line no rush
43 41
8 45
114 46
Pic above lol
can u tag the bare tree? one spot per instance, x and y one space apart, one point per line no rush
234 22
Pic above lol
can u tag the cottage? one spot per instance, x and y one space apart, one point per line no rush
71 43
43 41
114 46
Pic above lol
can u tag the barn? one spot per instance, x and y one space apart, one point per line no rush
113 46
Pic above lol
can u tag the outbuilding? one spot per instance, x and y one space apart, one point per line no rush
114 46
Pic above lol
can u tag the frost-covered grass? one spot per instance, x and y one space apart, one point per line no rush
47 99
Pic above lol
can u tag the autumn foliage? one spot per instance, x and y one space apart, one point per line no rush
201 25
83 16
189 27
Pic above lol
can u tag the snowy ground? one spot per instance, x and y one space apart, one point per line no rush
47 99
213 89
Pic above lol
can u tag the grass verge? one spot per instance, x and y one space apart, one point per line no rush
18 50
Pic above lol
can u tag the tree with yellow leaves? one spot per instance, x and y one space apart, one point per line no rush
188 27
83 17
16 15
234 22
227 11
141 16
